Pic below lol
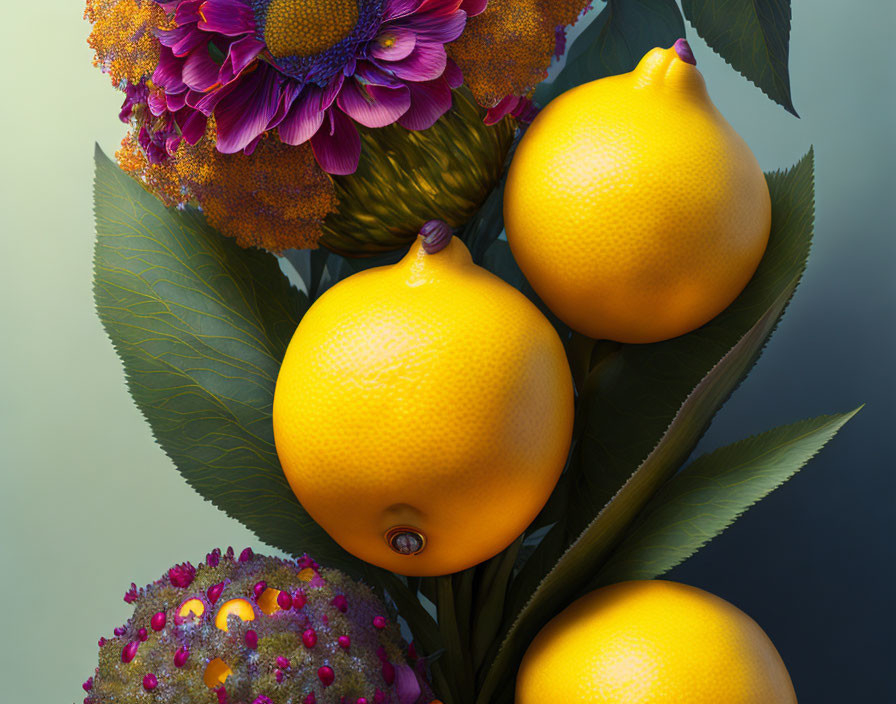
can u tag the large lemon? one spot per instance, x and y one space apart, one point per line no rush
653 642
423 412
633 208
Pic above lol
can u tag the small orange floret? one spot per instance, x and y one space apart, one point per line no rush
123 37
306 575
216 673
507 49
240 608
267 602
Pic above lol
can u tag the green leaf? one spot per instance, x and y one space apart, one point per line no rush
751 35
644 409
615 41
708 495
201 326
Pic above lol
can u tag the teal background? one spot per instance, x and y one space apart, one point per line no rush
88 502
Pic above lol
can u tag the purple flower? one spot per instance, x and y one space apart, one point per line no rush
310 69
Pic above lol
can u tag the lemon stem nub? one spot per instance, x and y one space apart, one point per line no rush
683 49
436 235
405 541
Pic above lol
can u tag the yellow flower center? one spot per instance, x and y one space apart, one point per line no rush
308 27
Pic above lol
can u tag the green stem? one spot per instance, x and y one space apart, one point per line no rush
463 690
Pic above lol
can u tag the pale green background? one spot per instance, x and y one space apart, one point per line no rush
88 503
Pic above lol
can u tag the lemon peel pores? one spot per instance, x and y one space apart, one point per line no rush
423 412
633 208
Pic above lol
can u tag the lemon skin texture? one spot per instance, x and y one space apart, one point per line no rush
653 642
428 394
633 208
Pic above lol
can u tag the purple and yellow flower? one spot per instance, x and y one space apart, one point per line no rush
300 88
311 70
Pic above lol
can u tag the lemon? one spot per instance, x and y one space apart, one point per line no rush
423 412
633 208
652 642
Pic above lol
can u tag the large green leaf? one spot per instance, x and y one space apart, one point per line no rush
644 408
751 35
201 326
615 41
708 495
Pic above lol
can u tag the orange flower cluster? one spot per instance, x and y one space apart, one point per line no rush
123 37
507 49
275 198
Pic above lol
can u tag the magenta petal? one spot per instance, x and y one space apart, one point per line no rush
453 74
242 53
303 120
174 101
367 72
502 109
337 145
438 29
473 7
426 63
168 72
200 72
228 17
429 101
393 44
157 103
439 8
328 97
373 106
192 124
399 8
188 12
406 685
181 40
246 109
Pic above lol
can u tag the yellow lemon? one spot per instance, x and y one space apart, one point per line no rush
653 642
633 208
423 412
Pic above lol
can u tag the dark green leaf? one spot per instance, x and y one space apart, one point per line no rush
486 226
615 41
654 402
751 35
201 326
707 496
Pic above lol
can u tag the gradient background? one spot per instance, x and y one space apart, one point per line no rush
88 503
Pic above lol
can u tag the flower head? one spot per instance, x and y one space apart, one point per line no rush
310 69
238 650
208 83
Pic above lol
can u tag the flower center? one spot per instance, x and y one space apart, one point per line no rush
307 27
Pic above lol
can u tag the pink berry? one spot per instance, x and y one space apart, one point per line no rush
129 651
88 685
326 675
251 639
150 682
309 638
344 642
340 602
299 599
378 697
310 699
379 622
180 657
157 622
284 601
246 555
142 635
214 592
278 675
282 662
389 672
259 588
